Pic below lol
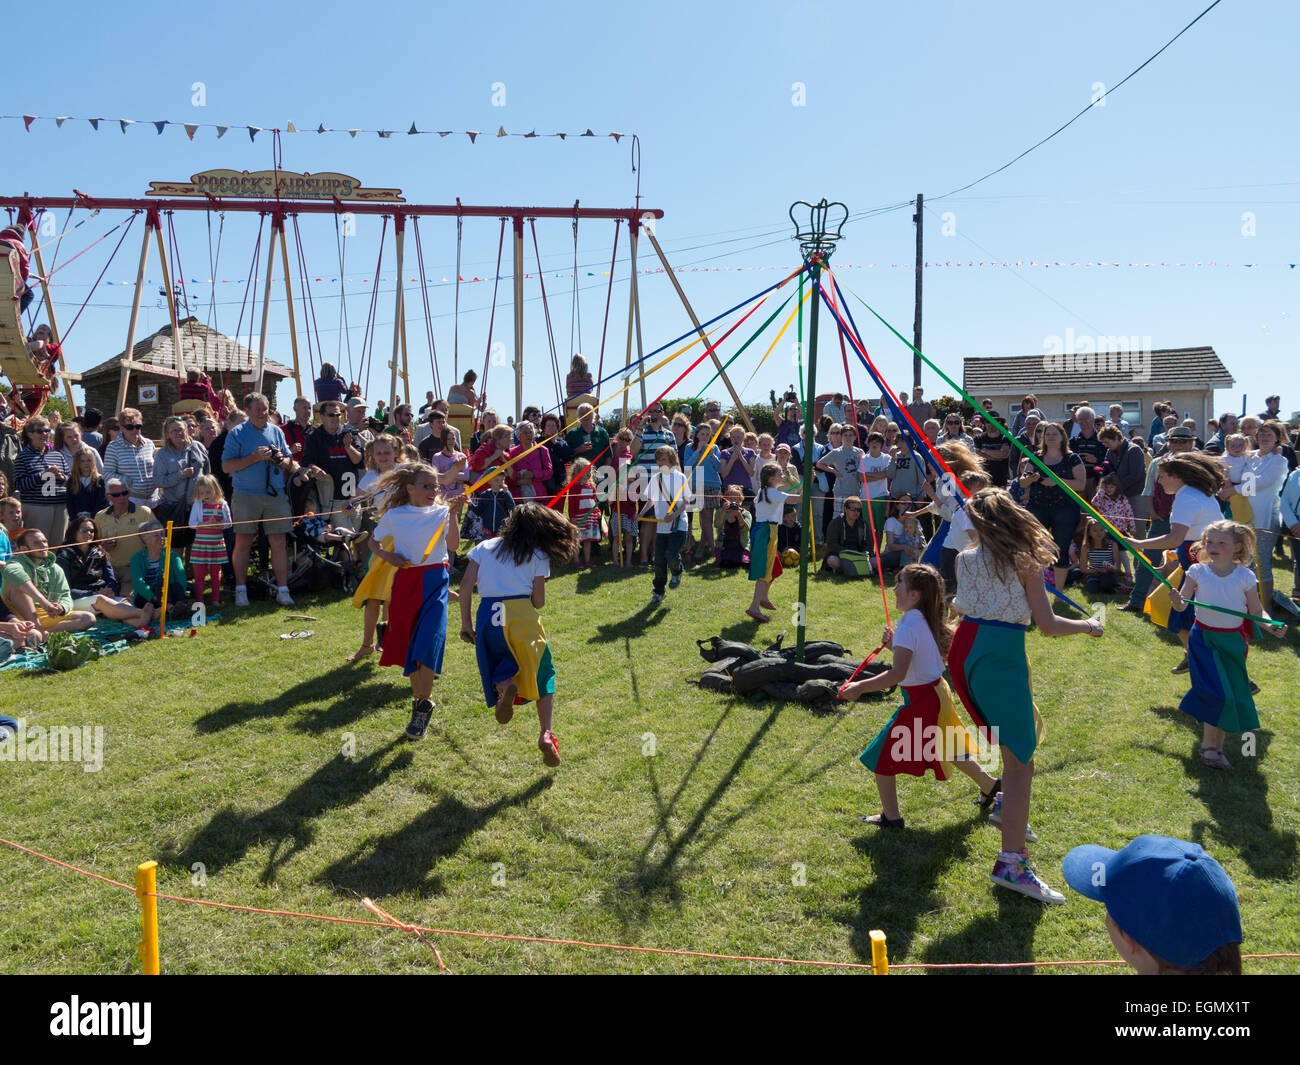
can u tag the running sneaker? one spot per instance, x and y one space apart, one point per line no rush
656 599
995 818
550 748
676 580
420 715
283 598
1019 876
1182 666
241 597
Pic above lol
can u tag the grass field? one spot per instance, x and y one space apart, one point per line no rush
679 818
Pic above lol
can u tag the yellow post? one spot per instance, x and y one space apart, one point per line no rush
146 887
167 572
879 956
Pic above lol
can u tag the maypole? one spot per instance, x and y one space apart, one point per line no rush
817 243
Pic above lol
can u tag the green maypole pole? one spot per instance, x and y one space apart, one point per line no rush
817 242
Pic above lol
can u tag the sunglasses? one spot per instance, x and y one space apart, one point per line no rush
119 495
129 428
858 509
41 432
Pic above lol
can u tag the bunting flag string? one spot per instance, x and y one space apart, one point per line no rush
191 128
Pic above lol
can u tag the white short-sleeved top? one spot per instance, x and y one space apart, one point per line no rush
877 464
1196 510
984 593
1229 591
772 508
412 528
667 486
499 576
913 633
959 530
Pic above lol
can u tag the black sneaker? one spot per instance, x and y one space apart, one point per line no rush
381 630
420 715
1182 666
1254 688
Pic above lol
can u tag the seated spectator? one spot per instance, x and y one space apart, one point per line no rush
1170 908
148 571
464 392
91 579
319 531
329 385
35 589
198 386
849 534
579 381
117 525
731 529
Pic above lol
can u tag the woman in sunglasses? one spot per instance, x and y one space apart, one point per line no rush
41 480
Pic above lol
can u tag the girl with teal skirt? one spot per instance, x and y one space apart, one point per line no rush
999 589
1216 649
925 732
764 558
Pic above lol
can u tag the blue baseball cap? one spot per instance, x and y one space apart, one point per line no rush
1170 896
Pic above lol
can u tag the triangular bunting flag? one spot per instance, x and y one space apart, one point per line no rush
253 131
616 136
27 122
320 128
159 126
501 132
60 120
385 132
444 133
412 131
587 134
289 127
561 135
190 128
533 134
353 132
221 131
471 134
124 122
94 123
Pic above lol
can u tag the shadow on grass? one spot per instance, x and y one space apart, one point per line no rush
288 825
1236 800
1005 936
341 678
908 866
630 627
404 861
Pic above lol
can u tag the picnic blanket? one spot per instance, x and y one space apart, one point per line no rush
110 635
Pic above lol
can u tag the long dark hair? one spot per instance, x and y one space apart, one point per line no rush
531 527
1202 472
927 582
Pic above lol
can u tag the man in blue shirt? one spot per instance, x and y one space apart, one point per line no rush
257 458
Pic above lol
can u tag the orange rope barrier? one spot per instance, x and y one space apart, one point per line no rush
394 924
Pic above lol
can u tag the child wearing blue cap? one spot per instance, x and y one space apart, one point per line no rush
1170 907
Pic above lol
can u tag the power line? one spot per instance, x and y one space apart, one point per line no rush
1076 118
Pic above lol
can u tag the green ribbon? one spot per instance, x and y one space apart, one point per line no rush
1135 552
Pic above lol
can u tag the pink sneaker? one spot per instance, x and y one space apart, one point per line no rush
1019 876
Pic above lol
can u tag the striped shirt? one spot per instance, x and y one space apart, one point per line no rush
134 465
34 478
651 440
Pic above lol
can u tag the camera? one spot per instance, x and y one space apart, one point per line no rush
733 506
276 457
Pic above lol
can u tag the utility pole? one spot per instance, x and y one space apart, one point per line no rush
919 219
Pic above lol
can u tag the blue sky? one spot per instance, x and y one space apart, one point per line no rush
899 99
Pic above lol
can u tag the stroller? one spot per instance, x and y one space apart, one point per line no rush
320 555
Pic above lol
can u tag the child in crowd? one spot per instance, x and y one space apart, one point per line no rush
999 589
489 508
210 517
148 572
1100 563
1171 910
376 587
1111 503
624 499
1235 460
1220 696
789 534
422 531
874 469
925 733
959 529
671 495
892 554
318 529
510 572
583 511
731 528
764 559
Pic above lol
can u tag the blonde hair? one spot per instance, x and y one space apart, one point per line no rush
1243 540
386 439
410 453
1013 537
86 449
396 484
667 452
960 459
579 470
209 482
